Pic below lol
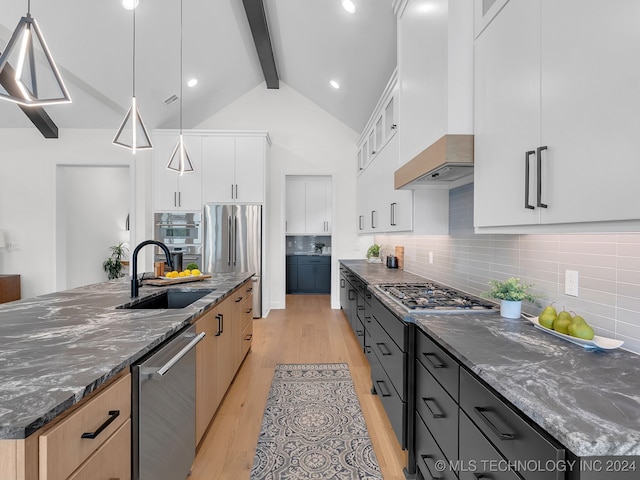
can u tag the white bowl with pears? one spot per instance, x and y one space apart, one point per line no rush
572 328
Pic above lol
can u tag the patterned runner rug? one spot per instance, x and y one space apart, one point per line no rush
313 427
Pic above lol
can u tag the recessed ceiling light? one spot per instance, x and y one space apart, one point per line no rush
334 84
349 6
129 4
192 82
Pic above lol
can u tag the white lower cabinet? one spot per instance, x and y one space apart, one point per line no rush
555 128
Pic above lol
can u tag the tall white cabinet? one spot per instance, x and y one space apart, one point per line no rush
557 102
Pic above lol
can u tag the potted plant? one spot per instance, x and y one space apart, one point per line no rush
113 264
373 253
511 293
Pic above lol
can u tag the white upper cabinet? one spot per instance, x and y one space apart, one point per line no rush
308 205
435 72
486 10
172 191
295 205
557 93
234 168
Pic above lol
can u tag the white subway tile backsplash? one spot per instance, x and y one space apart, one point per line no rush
608 266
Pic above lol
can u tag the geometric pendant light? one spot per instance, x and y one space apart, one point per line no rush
179 160
39 83
132 133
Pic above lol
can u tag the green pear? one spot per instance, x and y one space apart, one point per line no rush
549 309
561 324
547 318
584 331
575 322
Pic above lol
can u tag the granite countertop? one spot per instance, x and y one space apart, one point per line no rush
588 400
56 349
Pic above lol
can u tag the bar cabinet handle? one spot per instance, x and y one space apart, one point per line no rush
539 151
527 157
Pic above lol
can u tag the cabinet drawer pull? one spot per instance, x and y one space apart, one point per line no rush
239 300
382 388
424 460
342 283
219 318
527 157
539 157
384 351
367 319
350 292
480 475
249 337
360 308
437 364
248 310
113 414
359 333
503 436
434 414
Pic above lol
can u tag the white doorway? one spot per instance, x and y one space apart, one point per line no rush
92 206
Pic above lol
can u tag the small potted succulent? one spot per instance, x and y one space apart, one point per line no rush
373 253
511 293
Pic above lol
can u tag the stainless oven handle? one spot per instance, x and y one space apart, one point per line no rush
167 366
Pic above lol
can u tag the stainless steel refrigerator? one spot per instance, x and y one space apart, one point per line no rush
233 243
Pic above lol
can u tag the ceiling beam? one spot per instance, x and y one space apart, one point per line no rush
260 31
37 115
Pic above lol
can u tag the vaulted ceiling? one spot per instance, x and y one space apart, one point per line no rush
314 41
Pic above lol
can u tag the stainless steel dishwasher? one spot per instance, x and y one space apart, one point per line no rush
163 410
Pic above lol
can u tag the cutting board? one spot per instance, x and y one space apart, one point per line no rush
162 282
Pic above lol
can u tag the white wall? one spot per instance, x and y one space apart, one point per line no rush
306 140
28 195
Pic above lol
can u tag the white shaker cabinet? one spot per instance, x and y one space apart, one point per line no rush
397 214
318 206
295 205
234 168
172 191
308 205
554 85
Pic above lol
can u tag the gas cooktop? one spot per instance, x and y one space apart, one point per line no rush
430 297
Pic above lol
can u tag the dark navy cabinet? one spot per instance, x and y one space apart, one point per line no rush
308 274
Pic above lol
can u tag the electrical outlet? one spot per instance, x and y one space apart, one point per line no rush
431 257
571 282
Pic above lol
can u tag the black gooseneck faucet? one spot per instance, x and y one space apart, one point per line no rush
134 273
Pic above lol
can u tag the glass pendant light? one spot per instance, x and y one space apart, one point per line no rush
180 161
132 132
37 86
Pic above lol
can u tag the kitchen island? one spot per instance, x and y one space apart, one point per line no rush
586 401
56 349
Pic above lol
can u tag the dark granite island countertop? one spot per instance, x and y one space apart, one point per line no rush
56 349
588 400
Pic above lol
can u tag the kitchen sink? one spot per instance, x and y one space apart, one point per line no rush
173 299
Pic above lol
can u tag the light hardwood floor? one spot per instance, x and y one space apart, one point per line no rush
307 331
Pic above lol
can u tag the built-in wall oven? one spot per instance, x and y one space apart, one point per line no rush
181 232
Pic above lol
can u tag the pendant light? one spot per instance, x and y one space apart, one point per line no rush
132 132
179 160
41 86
